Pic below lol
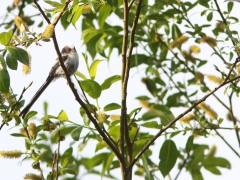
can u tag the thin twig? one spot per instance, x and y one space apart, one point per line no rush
181 167
227 143
231 69
135 137
130 4
42 12
62 11
233 118
41 173
53 165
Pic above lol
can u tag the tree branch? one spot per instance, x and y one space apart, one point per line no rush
74 91
125 80
42 12
176 119
124 108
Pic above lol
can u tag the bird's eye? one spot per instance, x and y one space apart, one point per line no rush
69 49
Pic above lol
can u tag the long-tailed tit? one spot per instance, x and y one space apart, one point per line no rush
70 59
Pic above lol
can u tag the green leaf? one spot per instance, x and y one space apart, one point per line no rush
162 112
76 133
66 157
96 160
168 157
149 115
196 174
111 106
100 145
62 116
152 124
113 3
30 115
5 37
79 74
151 86
204 3
216 161
213 170
146 167
104 12
92 88
114 131
19 54
71 168
77 11
143 98
230 6
175 31
138 146
64 130
64 19
54 4
11 62
198 155
189 144
17 135
2 62
93 68
210 16
4 81
109 162
109 81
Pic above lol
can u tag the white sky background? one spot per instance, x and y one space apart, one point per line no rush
59 96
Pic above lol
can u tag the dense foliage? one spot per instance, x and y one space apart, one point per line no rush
166 38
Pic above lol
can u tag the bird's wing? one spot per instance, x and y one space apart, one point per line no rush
56 65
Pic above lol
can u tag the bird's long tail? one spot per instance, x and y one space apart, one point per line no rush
36 96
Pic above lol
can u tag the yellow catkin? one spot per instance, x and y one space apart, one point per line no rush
102 117
32 129
11 154
209 40
215 79
199 77
238 68
32 176
115 117
27 68
16 2
194 49
178 42
186 119
212 151
21 25
48 31
237 49
87 9
208 110
23 132
221 25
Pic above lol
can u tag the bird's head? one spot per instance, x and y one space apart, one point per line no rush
68 49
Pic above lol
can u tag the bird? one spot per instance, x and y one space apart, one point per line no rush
71 62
